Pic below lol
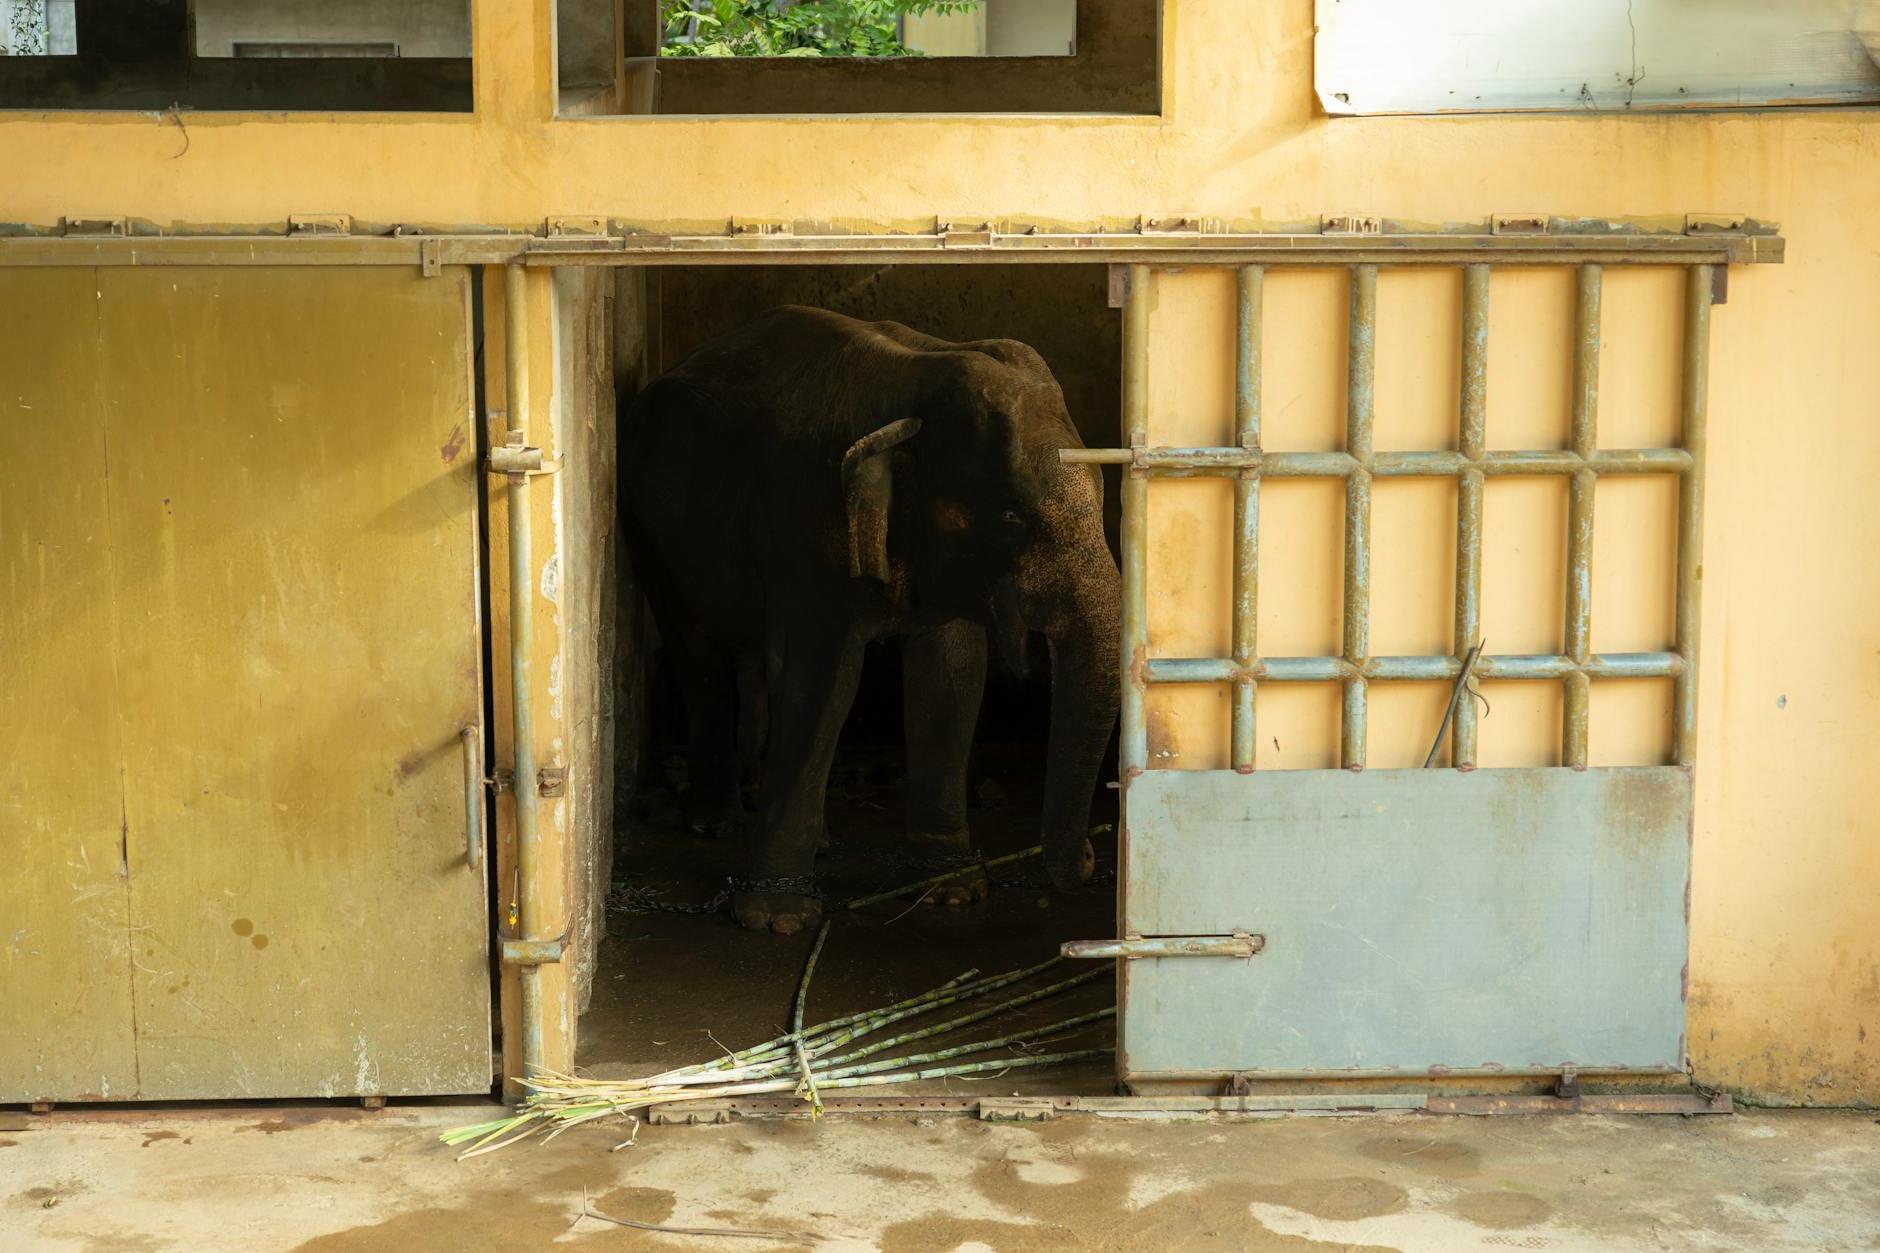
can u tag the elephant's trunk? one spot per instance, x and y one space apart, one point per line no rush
1085 692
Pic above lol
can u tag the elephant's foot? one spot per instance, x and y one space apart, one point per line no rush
940 850
785 913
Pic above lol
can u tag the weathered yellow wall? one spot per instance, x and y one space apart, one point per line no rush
1786 950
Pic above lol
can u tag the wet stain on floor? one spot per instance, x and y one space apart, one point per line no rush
1425 1154
646 1205
499 1222
1087 1193
276 1126
1502 1210
1341 1199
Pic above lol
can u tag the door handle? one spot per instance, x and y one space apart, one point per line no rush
1239 944
472 738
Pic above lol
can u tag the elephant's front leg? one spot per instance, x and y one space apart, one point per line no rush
943 679
814 670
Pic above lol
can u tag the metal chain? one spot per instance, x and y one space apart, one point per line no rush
625 898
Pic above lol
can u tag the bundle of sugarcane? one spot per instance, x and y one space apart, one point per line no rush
806 1061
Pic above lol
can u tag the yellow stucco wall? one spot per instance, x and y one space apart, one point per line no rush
1786 944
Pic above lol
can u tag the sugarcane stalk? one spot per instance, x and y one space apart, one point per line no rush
872 1025
781 1044
954 873
962 1050
863 1025
796 1020
854 1026
546 1111
965 1020
770 1067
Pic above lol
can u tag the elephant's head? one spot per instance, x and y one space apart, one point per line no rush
957 502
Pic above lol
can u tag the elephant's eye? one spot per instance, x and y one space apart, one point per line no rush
1012 518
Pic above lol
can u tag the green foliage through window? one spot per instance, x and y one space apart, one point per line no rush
23 28
805 28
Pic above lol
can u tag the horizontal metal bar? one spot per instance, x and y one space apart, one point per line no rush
532 952
1194 250
1489 1071
696 1112
1600 666
1240 944
1301 669
267 246
1184 462
1410 669
1195 670
1036 1108
1602 1103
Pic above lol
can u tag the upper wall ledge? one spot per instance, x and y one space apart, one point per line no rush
1194 239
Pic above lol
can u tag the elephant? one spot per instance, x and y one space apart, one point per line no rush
810 483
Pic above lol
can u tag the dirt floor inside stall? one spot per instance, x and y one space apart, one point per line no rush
672 988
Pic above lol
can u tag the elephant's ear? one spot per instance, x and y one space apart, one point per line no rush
868 490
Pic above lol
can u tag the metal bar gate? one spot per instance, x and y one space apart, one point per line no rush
1358 465
1407 922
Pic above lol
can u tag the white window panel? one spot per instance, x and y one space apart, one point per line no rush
1445 56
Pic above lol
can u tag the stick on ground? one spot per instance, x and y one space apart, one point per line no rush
796 1020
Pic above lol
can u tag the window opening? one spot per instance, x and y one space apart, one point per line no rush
231 55
756 57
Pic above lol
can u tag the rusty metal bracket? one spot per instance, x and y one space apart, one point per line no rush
521 459
501 779
551 781
320 224
759 226
107 228
961 235
1350 224
576 226
1518 224
1239 944
1176 224
533 952
1715 224
1017 1109
690 1114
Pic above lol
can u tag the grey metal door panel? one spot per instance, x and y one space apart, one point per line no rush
1416 921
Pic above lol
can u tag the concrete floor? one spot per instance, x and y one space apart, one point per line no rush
321 1178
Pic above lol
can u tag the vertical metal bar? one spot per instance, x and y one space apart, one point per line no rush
1585 439
521 636
470 738
1133 750
1247 511
1694 412
1473 443
1360 380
